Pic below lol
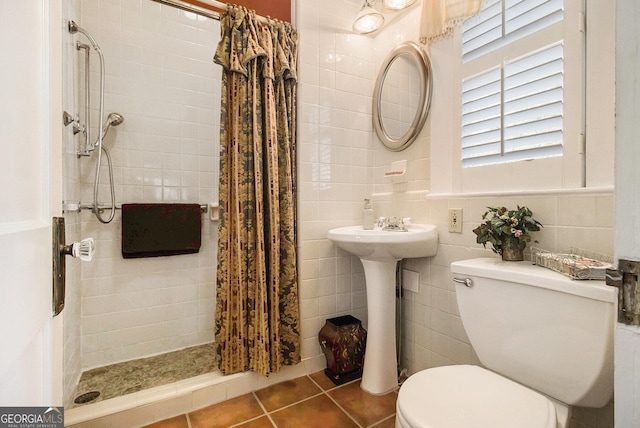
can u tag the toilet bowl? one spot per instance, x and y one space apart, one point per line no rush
545 343
471 397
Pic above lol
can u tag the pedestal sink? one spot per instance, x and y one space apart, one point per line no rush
380 250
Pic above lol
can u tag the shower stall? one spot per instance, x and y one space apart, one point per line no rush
152 64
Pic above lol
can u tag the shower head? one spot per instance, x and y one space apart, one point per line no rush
75 28
114 119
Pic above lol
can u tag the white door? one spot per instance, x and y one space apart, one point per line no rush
30 153
627 371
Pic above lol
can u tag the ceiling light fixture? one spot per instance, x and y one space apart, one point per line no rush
368 19
397 4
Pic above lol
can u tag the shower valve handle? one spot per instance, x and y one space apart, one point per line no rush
77 128
68 119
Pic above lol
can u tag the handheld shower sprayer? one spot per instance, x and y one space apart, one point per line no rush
75 28
113 119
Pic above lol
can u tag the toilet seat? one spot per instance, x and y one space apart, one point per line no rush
470 397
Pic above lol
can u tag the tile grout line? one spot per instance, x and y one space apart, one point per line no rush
381 421
322 392
297 402
188 420
256 417
337 404
326 392
335 386
264 409
271 420
268 414
314 382
341 408
357 423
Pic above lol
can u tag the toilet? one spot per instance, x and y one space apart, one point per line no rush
545 343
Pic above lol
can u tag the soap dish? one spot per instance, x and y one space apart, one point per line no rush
397 172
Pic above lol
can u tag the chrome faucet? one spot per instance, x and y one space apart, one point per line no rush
391 224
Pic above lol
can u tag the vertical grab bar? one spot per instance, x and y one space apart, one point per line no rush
87 106
74 28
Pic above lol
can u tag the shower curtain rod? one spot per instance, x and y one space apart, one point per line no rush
201 10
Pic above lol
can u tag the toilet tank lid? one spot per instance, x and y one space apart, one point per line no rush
527 273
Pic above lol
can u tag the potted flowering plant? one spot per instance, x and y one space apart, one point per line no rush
507 231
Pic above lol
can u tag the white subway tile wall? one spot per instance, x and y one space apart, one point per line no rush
337 73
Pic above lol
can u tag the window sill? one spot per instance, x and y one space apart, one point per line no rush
541 192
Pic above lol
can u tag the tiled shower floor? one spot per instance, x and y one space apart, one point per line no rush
133 376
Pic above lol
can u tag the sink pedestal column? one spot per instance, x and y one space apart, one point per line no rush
380 372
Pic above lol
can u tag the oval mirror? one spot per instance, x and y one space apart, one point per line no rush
402 96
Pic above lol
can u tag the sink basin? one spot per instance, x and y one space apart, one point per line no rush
379 251
420 240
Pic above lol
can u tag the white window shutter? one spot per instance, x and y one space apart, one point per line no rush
513 111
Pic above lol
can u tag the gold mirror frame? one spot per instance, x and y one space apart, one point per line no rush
423 65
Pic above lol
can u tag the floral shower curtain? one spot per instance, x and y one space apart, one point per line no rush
257 314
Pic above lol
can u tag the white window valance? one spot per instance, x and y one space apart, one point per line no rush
439 17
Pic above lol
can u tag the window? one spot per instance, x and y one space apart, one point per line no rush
514 112
501 22
522 90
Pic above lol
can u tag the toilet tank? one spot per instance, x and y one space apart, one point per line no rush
540 328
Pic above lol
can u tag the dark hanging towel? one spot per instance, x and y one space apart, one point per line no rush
152 230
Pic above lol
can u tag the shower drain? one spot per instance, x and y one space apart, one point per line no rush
87 397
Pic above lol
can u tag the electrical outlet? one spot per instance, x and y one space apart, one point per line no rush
455 220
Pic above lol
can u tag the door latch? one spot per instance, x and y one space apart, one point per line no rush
83 250
625 278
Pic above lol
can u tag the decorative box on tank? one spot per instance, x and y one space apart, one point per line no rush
343 340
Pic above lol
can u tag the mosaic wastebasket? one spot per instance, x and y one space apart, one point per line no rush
343 341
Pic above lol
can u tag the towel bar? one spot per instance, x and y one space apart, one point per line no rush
160 229
70 207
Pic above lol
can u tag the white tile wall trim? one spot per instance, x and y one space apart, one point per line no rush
543 192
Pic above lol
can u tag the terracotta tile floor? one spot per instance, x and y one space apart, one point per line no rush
306 402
